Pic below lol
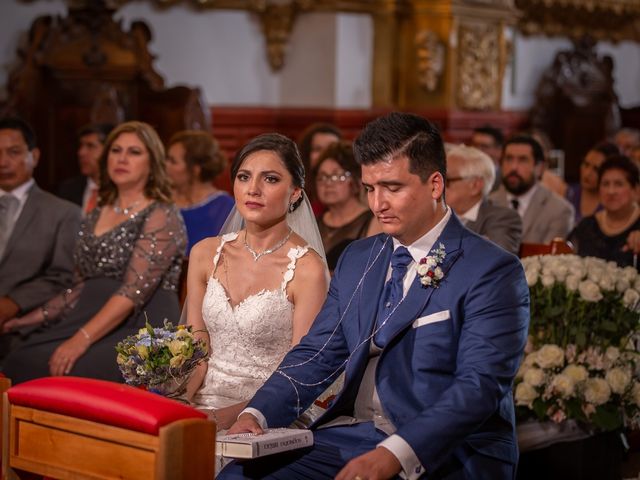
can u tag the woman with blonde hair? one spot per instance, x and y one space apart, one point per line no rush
128 258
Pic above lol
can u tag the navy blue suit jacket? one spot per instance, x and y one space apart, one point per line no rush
445 385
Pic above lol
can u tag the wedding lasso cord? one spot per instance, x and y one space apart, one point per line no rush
365 341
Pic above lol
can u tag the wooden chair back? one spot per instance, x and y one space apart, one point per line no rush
557 246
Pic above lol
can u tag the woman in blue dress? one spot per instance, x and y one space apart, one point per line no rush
194 159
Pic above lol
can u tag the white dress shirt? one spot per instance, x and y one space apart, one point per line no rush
523 200
471 215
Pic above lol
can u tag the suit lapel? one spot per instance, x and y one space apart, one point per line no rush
374 284
418 295
20 229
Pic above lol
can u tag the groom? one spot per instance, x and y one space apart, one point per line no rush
428 321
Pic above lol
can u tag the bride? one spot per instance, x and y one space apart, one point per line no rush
254 292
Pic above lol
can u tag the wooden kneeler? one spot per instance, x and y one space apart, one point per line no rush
77 428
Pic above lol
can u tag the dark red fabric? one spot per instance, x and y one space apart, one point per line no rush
101 401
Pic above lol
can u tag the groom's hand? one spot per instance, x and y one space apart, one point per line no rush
378 464
245 423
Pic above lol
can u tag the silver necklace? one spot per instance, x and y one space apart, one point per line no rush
125 210
257 255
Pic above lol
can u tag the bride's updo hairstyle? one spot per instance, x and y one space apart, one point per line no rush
282 146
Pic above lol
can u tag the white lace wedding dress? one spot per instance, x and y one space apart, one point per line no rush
248 340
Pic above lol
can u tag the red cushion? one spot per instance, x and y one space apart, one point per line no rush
101 401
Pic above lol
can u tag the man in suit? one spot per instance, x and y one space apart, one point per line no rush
83 190
37 229
428 320
545 215
470 175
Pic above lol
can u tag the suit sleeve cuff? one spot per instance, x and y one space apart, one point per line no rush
258 414
411 466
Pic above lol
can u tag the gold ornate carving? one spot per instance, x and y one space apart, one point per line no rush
614 20
478 67
277 21
430 52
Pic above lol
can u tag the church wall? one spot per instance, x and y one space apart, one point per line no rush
328 63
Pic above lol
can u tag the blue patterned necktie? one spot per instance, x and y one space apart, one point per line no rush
392 293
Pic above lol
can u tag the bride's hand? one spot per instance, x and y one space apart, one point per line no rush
246 423
225 417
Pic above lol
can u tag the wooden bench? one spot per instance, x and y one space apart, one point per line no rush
69 427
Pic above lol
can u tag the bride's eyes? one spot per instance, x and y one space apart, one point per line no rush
242 177
272 179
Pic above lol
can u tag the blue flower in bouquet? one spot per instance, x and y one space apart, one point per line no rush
161 359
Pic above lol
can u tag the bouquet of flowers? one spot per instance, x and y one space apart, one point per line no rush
581 362
160 359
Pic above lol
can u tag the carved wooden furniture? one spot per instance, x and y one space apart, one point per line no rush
557 246
86 68
70 427
5 383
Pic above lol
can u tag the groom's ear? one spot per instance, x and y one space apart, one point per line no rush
436 180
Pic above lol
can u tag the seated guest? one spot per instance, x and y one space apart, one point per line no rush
194 159
584 195
545 215
614 232
470 175
490 140
83 190
128 258
37 230
627 139
337 180
314 139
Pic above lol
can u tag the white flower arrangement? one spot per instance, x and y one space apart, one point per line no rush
429 269
581 362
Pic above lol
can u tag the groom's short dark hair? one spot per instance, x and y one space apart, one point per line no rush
398 134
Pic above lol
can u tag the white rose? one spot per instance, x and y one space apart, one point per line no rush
577 372
612 354
577 270
547 280
594 274
589 291
629 274
560 270
630 298
607 283
437 273
525 394
597 391
622 285
564 385
422 269
635 393
636 283
572 282
530 359
425 281
534 377
550 356
618 379
532 277
431 261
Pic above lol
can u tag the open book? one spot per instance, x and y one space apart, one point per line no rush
274 440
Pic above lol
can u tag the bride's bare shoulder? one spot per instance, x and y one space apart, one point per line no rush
205 248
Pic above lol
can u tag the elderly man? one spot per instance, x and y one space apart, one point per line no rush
37 229
470 175
545 215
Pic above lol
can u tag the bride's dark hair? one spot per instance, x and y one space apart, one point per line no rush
282 146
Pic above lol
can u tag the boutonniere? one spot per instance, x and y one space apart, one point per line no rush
429 269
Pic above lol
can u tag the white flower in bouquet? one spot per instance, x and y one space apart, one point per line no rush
423 268
534 377
525 394
572 282
622 285
563 385
550 356
618 379
570 352
595 275
636 283
612 354
597 391
547 280
531 359
531 276
629 274
576 372
589 291
630 298
607 283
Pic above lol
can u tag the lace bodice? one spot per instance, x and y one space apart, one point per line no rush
248 340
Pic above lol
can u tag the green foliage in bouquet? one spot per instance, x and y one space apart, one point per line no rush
160 359
581 362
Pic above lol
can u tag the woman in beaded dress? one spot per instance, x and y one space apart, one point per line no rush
254 292
128 258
